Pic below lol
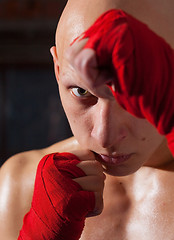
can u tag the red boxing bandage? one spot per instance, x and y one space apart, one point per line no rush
142 64
59 205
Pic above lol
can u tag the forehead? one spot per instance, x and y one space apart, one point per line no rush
78 16
68 29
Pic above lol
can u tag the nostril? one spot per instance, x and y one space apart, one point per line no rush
122 137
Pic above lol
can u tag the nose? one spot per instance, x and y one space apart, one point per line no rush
108 129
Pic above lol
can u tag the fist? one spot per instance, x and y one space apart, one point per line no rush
84 61
94 179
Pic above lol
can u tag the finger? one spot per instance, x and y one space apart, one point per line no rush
85 62
91 183
95 78
84 154
86 65
98 205
92 168
74 50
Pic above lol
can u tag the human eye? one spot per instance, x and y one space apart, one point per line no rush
80 92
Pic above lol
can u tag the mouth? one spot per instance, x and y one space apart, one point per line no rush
113 160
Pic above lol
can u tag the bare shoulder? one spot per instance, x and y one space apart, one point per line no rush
66 145
17 177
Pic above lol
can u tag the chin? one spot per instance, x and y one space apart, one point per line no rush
121 171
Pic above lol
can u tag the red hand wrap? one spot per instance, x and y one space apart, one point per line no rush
59 205
142 64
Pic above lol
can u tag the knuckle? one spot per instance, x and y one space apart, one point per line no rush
81 62
98 168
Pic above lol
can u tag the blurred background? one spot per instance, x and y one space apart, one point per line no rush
31 115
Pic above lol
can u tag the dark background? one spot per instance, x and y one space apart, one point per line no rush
31 115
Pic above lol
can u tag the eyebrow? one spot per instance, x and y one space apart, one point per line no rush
67 78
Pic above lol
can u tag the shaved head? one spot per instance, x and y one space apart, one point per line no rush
97 121
76 18
78 15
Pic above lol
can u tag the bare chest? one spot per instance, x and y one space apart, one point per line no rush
135 215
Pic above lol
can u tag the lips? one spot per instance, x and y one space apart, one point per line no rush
114 160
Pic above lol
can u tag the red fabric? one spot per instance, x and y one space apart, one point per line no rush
142 64
59 205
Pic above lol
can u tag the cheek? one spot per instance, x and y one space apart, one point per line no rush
79 119
81 128
148 136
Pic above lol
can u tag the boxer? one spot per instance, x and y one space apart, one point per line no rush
123 151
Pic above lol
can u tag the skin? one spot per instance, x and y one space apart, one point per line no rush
105 127
137 194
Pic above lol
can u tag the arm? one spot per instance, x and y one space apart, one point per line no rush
17 177
16 186
59 205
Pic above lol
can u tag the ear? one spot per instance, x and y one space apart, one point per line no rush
56 62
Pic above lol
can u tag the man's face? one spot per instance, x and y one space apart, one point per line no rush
122 142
